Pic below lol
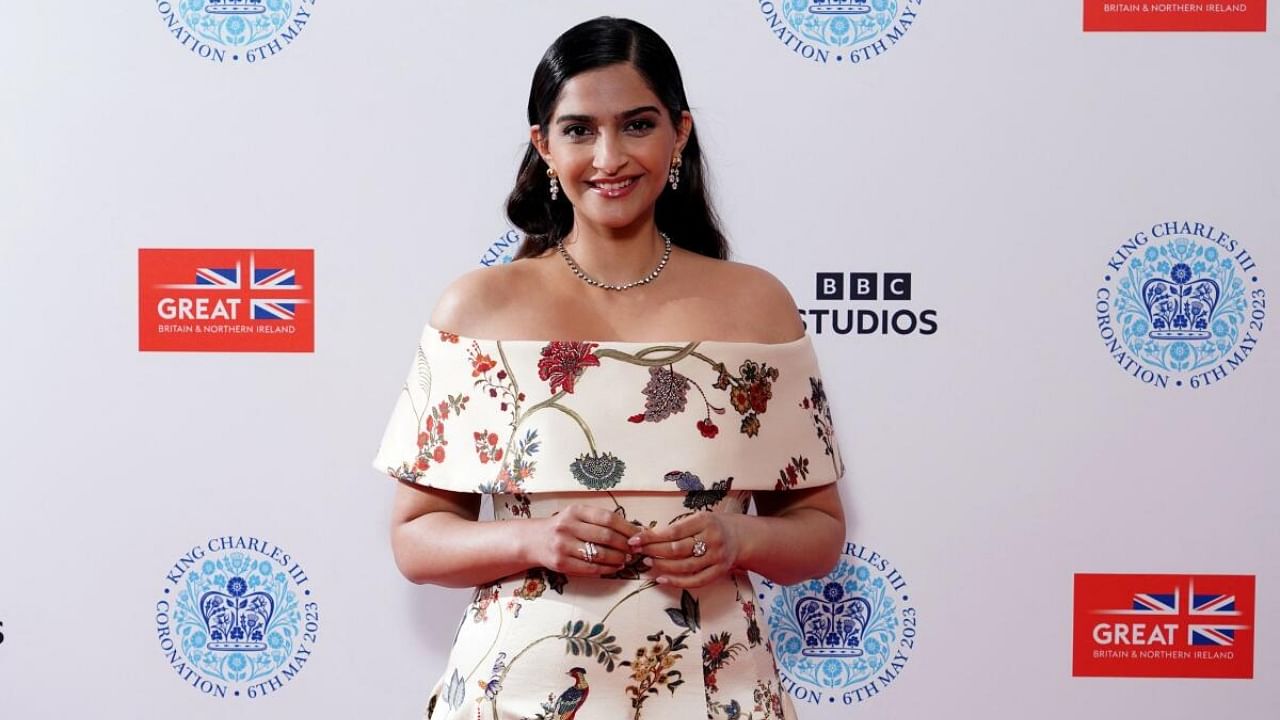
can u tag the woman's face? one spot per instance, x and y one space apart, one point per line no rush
611 144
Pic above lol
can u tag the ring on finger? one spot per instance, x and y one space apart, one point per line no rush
699 547
589 551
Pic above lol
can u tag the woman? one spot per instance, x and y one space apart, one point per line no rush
614 582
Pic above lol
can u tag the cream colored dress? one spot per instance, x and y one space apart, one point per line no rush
654 431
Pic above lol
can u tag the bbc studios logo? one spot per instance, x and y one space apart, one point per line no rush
872 303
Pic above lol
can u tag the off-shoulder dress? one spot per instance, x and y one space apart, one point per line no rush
652 430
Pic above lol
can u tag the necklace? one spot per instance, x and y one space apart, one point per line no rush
666 254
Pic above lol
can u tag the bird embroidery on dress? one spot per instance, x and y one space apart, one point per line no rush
572 698
696 495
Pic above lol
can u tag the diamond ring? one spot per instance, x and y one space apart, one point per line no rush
589 551
699 547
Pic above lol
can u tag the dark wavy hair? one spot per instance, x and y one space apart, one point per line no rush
685 214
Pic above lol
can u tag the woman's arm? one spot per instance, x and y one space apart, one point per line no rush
797 535
437 538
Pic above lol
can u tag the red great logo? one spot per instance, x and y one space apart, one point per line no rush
226 300
1189 626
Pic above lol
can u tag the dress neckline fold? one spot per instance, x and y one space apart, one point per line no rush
803 340
700 417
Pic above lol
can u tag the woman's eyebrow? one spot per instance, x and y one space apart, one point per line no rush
621 116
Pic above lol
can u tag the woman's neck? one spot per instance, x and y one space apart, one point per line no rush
615 255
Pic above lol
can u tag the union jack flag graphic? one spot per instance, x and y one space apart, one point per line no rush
1159 604
217 278
1214 607
273 279
1216 614
260 280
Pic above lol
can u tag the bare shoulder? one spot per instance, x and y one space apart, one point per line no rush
760 303
470 303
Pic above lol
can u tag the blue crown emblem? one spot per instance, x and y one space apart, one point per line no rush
1180 308
235 7
236 620
839 7
833 625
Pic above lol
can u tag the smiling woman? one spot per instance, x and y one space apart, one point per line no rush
607 107
611 168
622 467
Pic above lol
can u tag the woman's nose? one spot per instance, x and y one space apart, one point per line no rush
610 155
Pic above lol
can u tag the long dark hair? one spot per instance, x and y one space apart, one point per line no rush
685 214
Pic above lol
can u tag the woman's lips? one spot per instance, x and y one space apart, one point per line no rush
614 188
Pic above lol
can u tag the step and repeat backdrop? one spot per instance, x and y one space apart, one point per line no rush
1035 244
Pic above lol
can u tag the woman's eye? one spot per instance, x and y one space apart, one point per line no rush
640 125
576 131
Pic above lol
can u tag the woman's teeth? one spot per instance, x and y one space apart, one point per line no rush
614 185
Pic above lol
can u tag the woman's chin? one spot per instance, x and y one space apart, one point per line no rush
616 216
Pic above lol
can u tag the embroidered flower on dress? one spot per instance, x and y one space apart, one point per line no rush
481 364
750 393
532 588
817 397
654 667
817 405
598 471
517 467
707 428
483 598
536 582
665 393
791 475
717 652
494 684
430 439
753 627
767 701
487 446
562 363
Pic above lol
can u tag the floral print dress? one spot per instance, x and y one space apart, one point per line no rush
654 431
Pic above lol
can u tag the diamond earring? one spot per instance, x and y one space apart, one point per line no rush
554 184
673 175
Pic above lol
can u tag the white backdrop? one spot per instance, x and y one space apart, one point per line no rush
997 153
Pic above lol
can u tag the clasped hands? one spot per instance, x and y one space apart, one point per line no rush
690 552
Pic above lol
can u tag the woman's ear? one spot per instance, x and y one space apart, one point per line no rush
539 142
683 129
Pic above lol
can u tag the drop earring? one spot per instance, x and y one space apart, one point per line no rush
673 175
554 184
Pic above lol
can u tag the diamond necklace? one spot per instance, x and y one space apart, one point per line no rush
666 254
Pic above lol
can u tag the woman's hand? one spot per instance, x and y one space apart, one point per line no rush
692 551
582 540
